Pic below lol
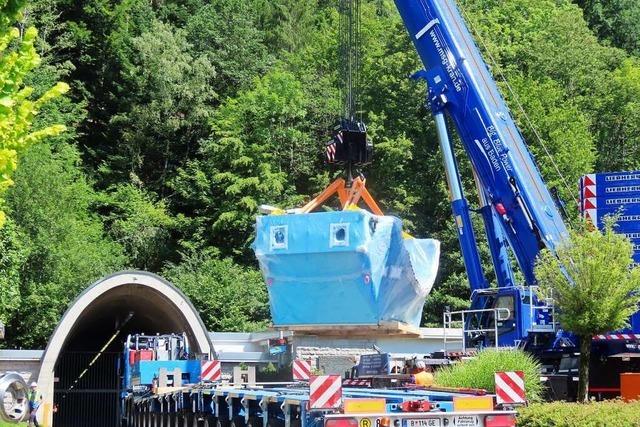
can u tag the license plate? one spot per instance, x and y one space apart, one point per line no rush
429 422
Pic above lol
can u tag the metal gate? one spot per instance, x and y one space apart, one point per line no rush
92 400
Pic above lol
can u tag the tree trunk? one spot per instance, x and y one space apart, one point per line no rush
583 379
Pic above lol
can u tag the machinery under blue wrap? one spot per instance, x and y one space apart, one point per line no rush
343 268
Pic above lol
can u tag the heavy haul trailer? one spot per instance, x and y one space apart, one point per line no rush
153 394
253 406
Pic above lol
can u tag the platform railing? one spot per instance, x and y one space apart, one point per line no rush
499 314
537 325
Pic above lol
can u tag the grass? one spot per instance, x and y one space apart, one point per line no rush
479 371
610 413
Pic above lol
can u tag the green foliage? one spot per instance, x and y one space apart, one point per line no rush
226 32
599 291
228 297
164 106
17 108
270 368
255 154
13 254
602 290
140 224
479 371
594 414
617 21
66 245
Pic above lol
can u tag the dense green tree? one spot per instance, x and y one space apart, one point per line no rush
616 21
165 105
256 153
67 247
13 254
287 24
228 297
226 32
17 105
618 136
140 223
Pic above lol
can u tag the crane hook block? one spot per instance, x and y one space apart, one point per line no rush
350 145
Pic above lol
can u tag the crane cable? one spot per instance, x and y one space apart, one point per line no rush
502 76
350 45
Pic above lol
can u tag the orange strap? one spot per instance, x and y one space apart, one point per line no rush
348 196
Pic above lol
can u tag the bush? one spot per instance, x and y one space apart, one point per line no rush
597 414
479 371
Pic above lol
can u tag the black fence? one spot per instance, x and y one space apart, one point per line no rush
94 399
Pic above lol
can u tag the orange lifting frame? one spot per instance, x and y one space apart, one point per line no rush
349 196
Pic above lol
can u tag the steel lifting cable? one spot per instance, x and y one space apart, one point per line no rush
350 45
502 76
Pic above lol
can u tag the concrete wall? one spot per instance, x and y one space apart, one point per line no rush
24 362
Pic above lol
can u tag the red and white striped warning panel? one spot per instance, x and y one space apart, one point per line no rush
325 392
301 370
589 191
590 203
510 387
588 180
617 337
211 370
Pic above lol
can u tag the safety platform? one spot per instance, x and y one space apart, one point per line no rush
349 269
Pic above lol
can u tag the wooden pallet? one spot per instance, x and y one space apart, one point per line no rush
381 329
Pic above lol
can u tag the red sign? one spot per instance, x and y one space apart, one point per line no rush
325 392
211 370
510 387
301 370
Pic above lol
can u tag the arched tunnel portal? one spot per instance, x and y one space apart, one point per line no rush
90 337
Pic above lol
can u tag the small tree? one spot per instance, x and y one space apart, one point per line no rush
17 108
599 291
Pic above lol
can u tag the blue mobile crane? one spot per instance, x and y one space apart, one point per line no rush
520 215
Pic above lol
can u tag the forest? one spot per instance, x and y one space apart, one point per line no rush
183 116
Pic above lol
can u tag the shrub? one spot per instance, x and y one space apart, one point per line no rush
596 414
479 371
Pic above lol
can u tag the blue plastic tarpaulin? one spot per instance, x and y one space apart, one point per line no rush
343 268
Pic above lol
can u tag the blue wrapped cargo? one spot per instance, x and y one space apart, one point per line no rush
343 268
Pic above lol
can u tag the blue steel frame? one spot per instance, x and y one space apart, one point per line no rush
517 209
460 85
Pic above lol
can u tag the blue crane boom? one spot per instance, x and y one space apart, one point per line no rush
520 215
517 204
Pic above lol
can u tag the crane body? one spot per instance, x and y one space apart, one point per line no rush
520 215
518 211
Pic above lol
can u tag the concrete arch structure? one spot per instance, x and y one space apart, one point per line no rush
157 307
